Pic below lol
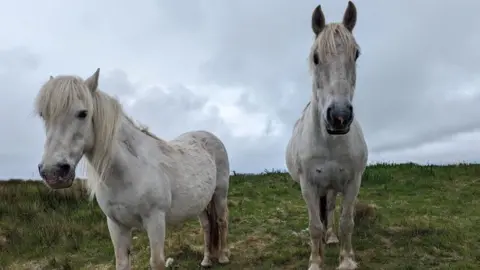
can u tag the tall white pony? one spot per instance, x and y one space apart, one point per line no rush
139 180
327 152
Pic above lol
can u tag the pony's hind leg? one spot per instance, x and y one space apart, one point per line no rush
204 222
213 225
331 203
221 209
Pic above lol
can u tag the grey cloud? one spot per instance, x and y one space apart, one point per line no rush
167 112
169 115
416 55
456 148
118 82
173 110
17 60
411 58
21 142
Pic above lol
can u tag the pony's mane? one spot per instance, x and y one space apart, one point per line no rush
142 128
325 43
56 97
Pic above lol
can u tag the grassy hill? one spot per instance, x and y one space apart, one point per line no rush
427 217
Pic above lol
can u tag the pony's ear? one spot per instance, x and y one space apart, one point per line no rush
51 78
350 16
92 81
318 20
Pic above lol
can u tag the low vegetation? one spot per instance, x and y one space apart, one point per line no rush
409 217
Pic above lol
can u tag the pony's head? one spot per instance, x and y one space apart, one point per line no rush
69 109
333 65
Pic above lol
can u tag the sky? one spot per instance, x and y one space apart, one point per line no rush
239 69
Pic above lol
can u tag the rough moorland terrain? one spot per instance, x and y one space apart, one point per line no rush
424 217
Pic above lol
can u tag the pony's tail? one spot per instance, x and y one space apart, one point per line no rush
214 229
324 214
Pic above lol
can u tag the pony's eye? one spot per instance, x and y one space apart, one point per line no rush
315 58
357 54
82 114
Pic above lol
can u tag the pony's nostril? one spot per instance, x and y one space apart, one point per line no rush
64 168
41 171
350 109
329 114
349 118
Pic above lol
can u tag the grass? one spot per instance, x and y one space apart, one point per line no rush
427 217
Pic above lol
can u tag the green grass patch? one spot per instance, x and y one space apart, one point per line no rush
427 217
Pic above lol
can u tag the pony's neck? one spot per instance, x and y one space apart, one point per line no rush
127 146
136 147
131 137
119 144
128 133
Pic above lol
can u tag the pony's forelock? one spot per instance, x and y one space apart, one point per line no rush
57 95
325 45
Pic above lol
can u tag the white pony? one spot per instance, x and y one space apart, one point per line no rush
139 180
327 152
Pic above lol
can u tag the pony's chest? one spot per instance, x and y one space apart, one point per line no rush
329 173
120 212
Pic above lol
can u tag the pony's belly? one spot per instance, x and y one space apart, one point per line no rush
129 206
188 203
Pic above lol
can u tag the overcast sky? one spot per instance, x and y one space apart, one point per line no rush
239 69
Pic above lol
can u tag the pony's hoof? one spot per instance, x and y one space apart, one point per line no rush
169 262
206 262
332 239
223 260
314 266
347 264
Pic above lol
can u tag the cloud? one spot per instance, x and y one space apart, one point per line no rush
457 147
411 72
170 111
240 70
22 137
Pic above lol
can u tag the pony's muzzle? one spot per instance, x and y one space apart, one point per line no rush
58 176
339 119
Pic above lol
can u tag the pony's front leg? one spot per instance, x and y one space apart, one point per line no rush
347 257
331 203
155 227
122 243
315 226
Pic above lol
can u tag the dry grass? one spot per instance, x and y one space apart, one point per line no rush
408 217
